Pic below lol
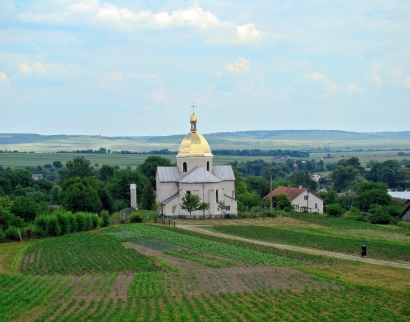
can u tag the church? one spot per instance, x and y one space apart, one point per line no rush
195 174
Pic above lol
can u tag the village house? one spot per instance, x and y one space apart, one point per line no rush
302 199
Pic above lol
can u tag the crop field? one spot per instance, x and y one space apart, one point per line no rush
141 272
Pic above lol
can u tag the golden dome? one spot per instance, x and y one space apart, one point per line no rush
193 118
194 145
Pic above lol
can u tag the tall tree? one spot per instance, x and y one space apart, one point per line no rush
149 167
147 197
78 167
81 195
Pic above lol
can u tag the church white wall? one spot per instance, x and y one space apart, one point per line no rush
193 162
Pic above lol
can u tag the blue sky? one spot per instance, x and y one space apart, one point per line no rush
135 67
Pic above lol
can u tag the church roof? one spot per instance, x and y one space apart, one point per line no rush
194 144
223 172
199 175
164 202
169 174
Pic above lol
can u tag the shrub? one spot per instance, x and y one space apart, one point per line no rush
269 213
106 220
12 233
335 210
95 221
380 215
40 226
72 220
53 227
228 216
135 219
64 223
2 236
405 225
81 222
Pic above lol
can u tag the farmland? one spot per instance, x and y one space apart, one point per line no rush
141 272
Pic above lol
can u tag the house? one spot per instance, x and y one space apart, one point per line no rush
37 176
405 215
302 199
196 174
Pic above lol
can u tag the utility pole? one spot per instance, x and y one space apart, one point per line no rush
270 175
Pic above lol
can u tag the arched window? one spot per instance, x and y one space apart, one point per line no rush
184 167
188 192
217 195
207 166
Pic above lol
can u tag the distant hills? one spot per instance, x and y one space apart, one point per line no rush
220 137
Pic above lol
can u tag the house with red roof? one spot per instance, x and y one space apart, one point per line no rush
302 199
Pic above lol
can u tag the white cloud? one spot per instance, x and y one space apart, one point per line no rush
377 80
406 81
247 32
240 66
114 76
39 68
354 89
331 87
3 77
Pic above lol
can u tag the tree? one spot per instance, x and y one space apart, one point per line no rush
78 167
147 197
57 164
191 202
335 210
372 193
106 172
282 202
221 206
6 217
240 185
303 178
258 184
149 167
81 195
389 171
24 208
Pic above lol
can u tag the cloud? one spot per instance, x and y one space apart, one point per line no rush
354 89
123 18
240 66
247 32
38 68
331 87
377 80
3 77
406 81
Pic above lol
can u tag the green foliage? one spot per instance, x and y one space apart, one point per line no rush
380 215
105 218
79 167
12 233
329 197
147 197
25 208
282 202
240 184
6 217
135 219
2 236
258 184
302 178
335 210
106 172
53 226
57 164
149 167
191 202
249 199
389 172
81 195
367 198
269 213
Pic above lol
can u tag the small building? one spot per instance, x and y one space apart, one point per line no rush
37 176
302 199
405 215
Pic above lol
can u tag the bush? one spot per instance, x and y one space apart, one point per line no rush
64 223
12 233
40 226
405 225
380 215
2 236
106 220
269 213
53 227
135 219
81 222
229 216
335 210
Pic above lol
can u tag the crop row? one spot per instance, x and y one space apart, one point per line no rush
249 257
348 245
82 253
157 296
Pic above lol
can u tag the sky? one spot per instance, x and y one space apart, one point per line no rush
134 68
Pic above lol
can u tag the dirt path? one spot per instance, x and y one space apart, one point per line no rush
296 248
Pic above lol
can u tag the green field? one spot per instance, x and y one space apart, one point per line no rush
141 272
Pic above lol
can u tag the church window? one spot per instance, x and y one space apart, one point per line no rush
217 196
184 167
207 166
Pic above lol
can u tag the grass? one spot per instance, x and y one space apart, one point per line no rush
10 252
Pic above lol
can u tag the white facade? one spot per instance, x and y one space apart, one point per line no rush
308 200
196 174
